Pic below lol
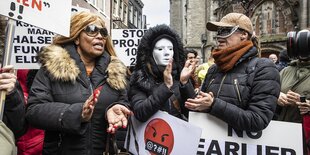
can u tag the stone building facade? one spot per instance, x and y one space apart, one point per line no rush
272 19
135 17
127 14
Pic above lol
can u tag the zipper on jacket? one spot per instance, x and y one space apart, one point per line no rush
60 140
209 84
90 85
222 81
238 91
89 141
170 108
59 144
83 82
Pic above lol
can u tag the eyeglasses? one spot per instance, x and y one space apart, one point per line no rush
225 32
93 30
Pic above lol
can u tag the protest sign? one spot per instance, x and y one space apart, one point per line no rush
126 43
279 138
51 15
164 134
27 42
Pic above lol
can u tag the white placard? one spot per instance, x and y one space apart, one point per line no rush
126 43
165 134
28 40
27 43
279 138
52 15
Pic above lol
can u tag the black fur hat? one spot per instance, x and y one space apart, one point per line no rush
145 48
142 72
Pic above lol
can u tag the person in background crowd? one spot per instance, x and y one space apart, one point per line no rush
202 69
12 125
79 94
295 82
193 58
273 58
283 60
155 82
31 143
201 72
240 88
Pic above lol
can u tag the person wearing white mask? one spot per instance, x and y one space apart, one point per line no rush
155 82
163 51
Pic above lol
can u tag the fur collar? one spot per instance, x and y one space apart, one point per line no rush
142 80
61 66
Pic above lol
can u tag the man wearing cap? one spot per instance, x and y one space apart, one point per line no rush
240 88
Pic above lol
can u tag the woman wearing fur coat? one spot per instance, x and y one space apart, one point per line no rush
79 95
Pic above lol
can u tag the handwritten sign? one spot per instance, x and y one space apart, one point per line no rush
52 15
126 43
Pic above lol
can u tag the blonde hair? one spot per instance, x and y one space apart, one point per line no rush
256 42
78 23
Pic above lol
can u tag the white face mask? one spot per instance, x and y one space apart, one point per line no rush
163 51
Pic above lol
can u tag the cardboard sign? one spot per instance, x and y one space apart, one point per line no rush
279 138
164 134
51 15
126 43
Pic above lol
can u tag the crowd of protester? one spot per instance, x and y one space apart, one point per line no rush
83 94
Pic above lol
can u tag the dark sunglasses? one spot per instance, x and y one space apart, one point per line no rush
93 30
225 32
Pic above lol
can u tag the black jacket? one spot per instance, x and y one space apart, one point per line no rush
14 112
148 93
58 93
246 96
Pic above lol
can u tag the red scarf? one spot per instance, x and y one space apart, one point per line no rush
227 58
